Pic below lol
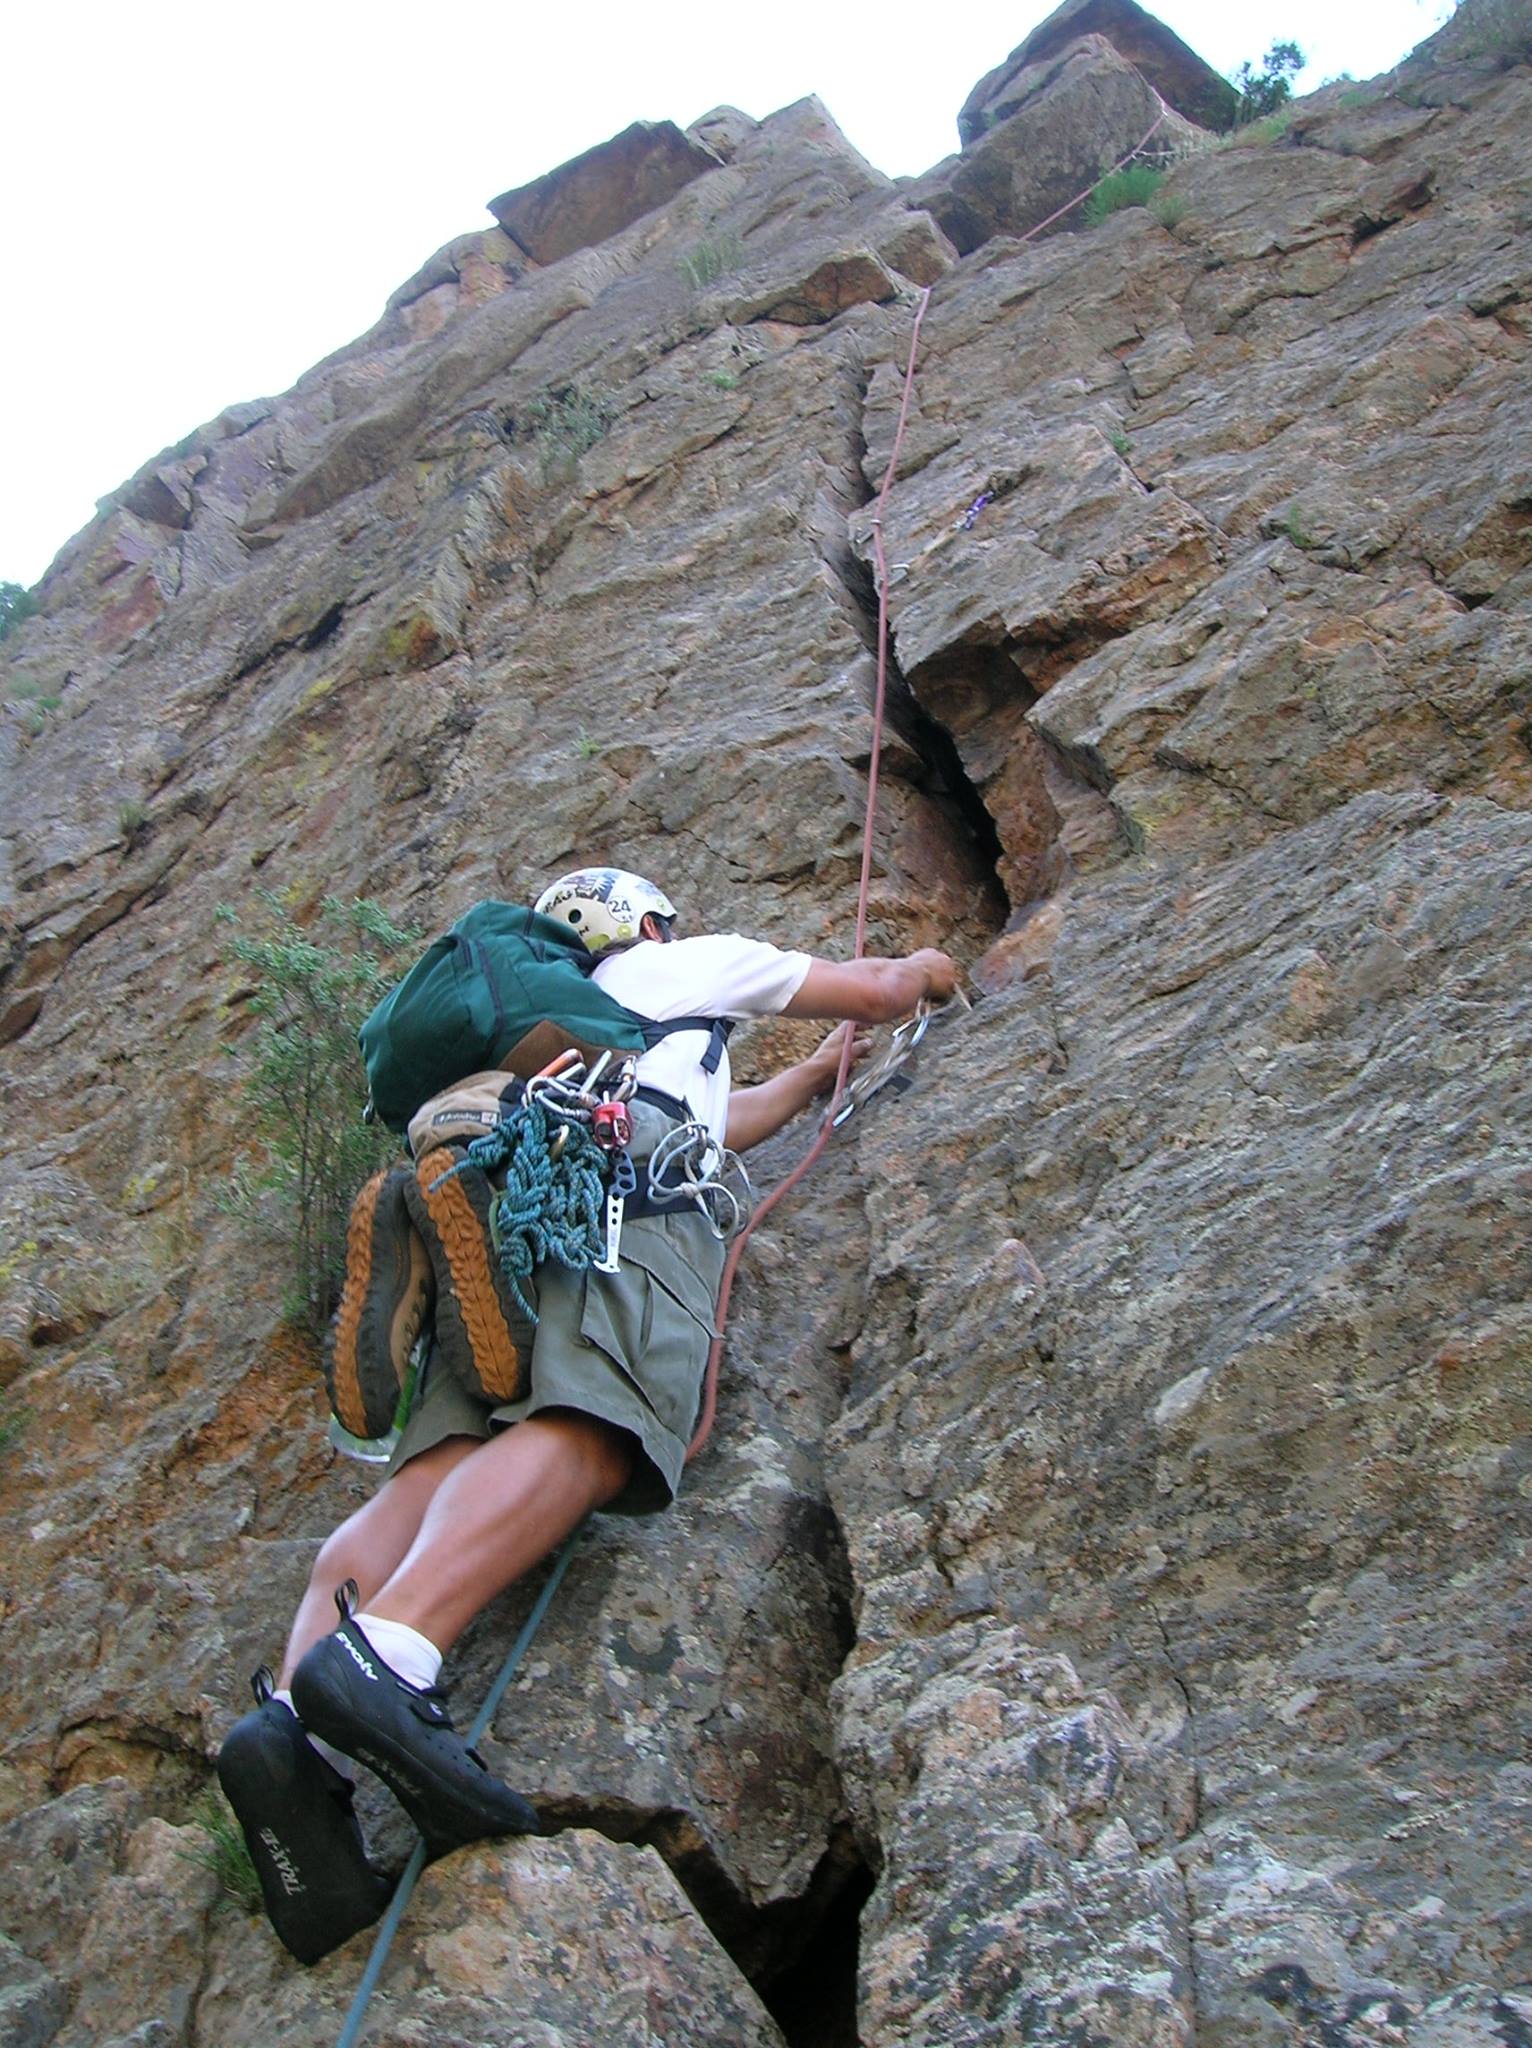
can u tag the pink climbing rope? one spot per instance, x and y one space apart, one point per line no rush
880 560
880 697
1121 164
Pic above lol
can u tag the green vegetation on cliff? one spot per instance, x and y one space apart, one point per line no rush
304 1092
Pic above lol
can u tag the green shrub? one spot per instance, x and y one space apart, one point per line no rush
33 704
715 256
1134 186
1121 445
222 1850
16 604
1298 531
303 1095
13 1422
132 817
722 380
1169 208
1263 92
563 424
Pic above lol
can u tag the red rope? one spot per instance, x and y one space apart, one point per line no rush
1121 162
765 1207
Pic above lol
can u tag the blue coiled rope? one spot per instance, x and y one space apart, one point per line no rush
550 1206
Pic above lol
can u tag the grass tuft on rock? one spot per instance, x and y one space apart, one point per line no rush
1134 186
221 1849
708 260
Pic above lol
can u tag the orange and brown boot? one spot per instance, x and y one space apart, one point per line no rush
482 1333
388 1292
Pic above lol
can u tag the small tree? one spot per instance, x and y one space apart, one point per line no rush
1263 92
16 604
306 1088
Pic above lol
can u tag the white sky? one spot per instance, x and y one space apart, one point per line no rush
204 198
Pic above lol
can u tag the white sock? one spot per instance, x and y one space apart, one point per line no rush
410 1655
332 1756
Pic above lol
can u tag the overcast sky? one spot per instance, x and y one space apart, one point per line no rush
204 199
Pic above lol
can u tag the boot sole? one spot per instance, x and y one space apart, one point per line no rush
387 1293
473 1332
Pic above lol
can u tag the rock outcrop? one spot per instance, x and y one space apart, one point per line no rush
1100 1617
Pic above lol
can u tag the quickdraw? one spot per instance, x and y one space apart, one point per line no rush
899 1050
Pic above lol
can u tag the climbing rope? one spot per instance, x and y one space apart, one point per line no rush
494 1150
827 1124
388 1926
833 1115
550 1205
1121 164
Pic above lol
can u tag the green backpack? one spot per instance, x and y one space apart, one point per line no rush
503 988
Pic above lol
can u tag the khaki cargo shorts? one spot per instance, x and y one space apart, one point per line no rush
629 1347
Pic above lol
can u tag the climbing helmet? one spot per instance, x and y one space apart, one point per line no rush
603 906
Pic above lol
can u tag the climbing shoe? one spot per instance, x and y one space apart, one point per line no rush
477 1314
387 1293
296 1816
347 1694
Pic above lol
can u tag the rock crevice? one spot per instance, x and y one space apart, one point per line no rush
1088 1621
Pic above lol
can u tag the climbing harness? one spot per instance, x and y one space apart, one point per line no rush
565 1178
570 1098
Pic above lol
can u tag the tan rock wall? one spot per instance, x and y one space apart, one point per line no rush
1114 1532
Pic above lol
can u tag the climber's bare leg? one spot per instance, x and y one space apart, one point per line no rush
460 1523
497 1512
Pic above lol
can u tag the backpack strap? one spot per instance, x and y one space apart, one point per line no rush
718 1030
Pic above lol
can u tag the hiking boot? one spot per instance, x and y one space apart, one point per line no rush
347 1694
388 1291
296 1816
477 1314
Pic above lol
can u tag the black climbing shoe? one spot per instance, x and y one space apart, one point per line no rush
347 1694
296 1815
388 1290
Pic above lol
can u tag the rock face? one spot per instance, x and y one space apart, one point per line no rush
1159 56
599 194
1063 119
1098 1617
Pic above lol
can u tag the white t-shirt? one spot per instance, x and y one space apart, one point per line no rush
718 975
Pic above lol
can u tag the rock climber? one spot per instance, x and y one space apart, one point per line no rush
479 1491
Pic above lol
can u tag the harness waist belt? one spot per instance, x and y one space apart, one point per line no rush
672 1105
672 1200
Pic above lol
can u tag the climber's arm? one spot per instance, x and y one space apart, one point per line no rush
874 991
760 1111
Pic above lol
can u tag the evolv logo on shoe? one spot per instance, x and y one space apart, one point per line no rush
285 1867
357 1658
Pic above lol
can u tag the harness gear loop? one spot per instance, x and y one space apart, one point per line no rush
690 1164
